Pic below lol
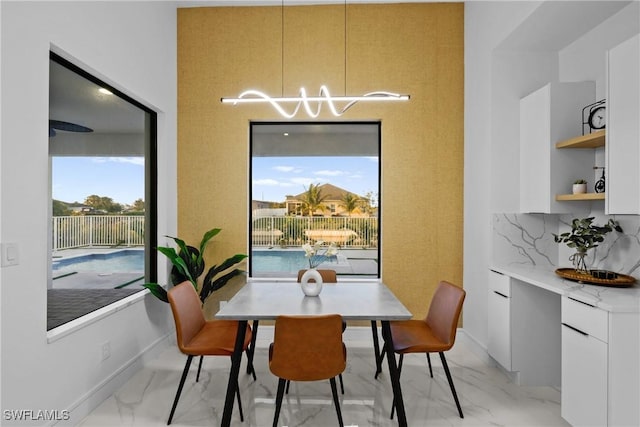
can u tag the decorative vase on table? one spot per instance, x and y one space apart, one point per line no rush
311 282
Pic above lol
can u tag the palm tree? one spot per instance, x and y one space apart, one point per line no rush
313 198
350 202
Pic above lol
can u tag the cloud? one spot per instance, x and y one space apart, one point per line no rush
131 160
286 169
329 173
267 181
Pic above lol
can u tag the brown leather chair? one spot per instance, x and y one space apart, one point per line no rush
436 333
328 276
199 337
307 348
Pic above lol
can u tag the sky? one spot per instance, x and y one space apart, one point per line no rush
75 178
276 177
122 178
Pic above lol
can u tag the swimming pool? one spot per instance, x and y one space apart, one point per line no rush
276 261
128 260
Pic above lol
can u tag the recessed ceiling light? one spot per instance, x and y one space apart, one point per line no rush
286 134
105 91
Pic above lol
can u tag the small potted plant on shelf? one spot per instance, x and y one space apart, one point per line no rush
585 235
580 186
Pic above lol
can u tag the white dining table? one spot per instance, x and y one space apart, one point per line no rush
357 300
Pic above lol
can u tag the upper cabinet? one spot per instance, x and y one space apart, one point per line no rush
623 128
547 116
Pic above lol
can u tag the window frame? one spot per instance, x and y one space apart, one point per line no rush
377 123
150 175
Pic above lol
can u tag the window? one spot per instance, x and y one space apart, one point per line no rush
314 183
102 151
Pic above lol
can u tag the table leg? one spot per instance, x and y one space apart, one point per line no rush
394 373
232 386
376 348
252 349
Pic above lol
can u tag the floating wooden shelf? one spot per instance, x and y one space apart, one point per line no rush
592 140
583 196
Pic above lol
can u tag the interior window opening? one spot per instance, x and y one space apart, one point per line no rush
316 184
102 163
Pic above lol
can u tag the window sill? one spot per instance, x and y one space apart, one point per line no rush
88 319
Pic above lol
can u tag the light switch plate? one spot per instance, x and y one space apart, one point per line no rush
10 254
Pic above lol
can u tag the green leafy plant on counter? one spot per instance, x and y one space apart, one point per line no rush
189 264
585 235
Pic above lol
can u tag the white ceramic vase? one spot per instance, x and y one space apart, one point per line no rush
311 282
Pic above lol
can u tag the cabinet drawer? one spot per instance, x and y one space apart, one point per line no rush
499 283
585 318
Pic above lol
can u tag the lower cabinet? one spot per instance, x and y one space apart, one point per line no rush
600 368
499 317
584 366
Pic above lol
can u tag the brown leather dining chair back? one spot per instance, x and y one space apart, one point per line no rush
307 348
444 313
436 333
328 276
197 336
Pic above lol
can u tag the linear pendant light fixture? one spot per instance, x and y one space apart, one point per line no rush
338 105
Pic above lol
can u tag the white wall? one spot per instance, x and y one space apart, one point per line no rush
131 45
486 25
509 53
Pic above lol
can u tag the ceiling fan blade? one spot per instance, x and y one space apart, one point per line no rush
66 126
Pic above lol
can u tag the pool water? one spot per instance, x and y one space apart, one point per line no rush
275 261
115 262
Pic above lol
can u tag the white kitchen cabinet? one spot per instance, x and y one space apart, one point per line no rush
499 328
623 128
547 116
584 364
600 369
523 330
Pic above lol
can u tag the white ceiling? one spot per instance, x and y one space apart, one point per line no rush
74 99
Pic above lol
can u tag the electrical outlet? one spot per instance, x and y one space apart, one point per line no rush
106 350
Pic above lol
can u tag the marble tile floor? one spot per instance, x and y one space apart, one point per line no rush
487 396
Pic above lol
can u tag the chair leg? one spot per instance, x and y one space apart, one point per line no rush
429 362
341 383
334 391
279 396
288 383
184 377
199 369
453 389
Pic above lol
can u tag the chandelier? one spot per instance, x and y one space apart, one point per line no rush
338 105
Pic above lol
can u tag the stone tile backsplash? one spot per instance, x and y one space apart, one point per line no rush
527 239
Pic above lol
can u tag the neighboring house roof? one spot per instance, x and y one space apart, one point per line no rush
331 192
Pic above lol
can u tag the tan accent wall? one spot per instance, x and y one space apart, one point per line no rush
407 48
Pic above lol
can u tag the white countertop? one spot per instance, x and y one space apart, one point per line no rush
613 299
